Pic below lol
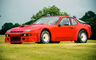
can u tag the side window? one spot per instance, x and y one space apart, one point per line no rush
65 21
73 21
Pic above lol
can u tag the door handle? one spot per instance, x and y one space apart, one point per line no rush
71 27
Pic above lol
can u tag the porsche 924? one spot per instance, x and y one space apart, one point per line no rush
51 29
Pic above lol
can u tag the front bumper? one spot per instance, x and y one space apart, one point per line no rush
17 38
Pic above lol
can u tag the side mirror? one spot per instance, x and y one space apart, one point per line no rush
59 25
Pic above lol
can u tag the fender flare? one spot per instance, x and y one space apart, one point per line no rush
50 31
75 38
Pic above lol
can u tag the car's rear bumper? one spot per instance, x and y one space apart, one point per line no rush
17 38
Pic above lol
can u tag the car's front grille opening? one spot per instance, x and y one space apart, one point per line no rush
15 38
16 31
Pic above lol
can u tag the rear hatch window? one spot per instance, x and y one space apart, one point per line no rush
81 21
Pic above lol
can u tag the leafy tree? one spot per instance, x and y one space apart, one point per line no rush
16 25
88 15
50 11
5 27
92 21
54 11
29 22
0 31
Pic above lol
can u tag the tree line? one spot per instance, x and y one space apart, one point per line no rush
89 17
7 26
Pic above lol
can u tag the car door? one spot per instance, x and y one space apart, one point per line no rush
65 30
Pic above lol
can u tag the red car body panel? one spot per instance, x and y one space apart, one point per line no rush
62 33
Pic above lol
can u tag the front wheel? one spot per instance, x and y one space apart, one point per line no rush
82 37
45 37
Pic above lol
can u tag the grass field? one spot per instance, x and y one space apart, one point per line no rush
63 51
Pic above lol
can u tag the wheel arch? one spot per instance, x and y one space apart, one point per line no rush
43 30
84 30
75 38
46 29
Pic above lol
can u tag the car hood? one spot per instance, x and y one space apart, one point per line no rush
25 27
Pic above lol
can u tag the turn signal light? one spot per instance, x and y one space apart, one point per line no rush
25 34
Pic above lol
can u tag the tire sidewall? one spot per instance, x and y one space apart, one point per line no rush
43 32
79 39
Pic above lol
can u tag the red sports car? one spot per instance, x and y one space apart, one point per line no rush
51 29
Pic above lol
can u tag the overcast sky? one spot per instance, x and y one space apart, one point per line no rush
20 11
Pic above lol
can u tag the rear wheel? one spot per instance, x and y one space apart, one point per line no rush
45 37
82 37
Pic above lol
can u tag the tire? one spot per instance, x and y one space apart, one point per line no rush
82 37
45 37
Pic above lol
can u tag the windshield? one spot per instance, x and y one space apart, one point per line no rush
47 20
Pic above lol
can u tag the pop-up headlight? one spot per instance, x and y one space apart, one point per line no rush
28 30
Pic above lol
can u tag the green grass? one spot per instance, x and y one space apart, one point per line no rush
66 50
